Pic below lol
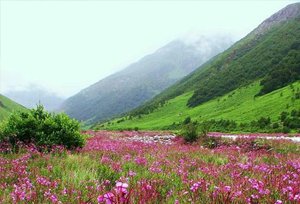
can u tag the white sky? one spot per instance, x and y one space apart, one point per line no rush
66 46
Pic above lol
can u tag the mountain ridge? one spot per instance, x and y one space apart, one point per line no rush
289 12
138 82
240 64
270 60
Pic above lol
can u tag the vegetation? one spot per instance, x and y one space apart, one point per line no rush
7 106
112 168
42 129
124 167
287 122
272 56
238 110
189 130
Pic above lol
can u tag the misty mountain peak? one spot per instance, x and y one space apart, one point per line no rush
291 11
143 79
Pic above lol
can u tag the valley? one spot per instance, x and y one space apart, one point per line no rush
201 119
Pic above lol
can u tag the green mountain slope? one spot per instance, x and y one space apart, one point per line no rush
270 52
240 105
7 106
248 81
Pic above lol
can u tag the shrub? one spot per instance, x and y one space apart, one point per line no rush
211 142
283 116
259 144
275 125
42 129
204 128
286 129
187 120
263 122
205 140
189 132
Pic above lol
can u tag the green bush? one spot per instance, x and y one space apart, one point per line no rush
210 142
187 120
42 129
190 132
205 140
286 129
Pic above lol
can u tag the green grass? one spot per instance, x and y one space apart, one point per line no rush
239 105
7 106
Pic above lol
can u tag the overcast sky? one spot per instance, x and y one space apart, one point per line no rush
66 46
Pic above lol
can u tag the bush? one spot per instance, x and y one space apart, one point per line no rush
210 142
42 129
275 125
286 129
189 132
205 140
263 122
187 120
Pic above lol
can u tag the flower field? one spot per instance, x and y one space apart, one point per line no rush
114 168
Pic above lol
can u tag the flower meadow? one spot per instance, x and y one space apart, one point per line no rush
113 169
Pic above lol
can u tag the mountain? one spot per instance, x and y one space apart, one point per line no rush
33 95
267 58
239 105
7 106
143 79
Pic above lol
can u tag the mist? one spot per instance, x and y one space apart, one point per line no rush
32 95
66 46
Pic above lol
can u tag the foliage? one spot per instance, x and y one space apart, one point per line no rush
187 120
233 111
112 168
210 142
190 132
270 56
42 129
289 121
285 72
7 106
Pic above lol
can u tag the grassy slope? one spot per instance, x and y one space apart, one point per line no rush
239 105
7 106
250 59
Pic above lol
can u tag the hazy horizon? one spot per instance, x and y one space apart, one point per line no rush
65 46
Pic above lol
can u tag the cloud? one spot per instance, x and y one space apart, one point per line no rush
33 94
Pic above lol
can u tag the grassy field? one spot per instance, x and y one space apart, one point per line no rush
7 106
240 105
